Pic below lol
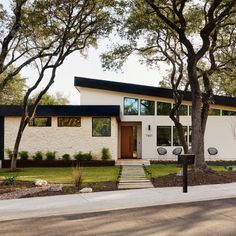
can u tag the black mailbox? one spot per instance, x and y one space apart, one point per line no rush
186 159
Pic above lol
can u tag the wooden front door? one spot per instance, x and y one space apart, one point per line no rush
126 142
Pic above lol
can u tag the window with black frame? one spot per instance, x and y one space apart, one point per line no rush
40 122
130 106
163 108
101 126
176 139
163 135
69 121
228 113
183 110
147 107
214 112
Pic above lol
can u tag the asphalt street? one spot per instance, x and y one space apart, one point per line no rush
216 217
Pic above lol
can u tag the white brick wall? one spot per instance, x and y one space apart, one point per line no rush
62 139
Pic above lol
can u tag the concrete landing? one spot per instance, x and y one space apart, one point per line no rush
133 177
132 162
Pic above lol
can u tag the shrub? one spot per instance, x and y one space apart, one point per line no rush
77 175
106 155
38 156
9 153
66 157
50 156
9 180
88 156
24 155
80 156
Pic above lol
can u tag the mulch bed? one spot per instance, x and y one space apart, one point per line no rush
171 180
103 186
17 186
195 178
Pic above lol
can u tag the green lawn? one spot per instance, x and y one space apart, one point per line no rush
64 175
165 169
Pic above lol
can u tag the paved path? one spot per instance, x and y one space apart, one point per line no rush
112 200
133 177
214 218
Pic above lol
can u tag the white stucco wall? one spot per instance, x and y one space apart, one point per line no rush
62 139
219 131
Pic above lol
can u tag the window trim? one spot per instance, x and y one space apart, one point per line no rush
33 120
68 117
97 117
124 106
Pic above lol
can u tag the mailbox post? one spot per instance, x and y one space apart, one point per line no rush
185 160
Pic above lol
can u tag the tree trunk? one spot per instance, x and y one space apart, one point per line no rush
22 126
197 132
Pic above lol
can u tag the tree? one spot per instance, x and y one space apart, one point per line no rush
57 29
195 37
13 92
49 99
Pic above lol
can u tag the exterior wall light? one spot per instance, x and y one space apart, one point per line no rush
149 127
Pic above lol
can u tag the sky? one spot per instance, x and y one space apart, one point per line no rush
90 67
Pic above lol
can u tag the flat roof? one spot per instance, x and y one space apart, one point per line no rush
64 110
143 90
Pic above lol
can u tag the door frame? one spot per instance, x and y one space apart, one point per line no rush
139 138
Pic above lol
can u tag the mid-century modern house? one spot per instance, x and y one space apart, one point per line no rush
131 120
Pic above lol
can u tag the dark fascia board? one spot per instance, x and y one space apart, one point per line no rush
64 110
142 90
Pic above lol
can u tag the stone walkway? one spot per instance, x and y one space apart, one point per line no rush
133 177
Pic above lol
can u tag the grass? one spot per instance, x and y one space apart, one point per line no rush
64 175
166 169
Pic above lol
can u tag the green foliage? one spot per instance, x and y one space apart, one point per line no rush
77 176
9 180
24 155
9 153
50 156
48 99
66 157
38 156
228 168
13 92
106 155
80 156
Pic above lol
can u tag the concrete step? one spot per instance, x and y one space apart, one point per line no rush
134 180
126 186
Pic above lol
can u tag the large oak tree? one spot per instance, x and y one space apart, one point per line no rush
195 38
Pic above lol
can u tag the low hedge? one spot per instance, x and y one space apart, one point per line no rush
56 163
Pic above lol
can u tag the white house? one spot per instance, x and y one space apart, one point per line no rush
131 120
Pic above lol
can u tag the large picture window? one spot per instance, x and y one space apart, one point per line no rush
163 135
147 107
176 140
40 122
163 108
101 126
130 106
69 121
